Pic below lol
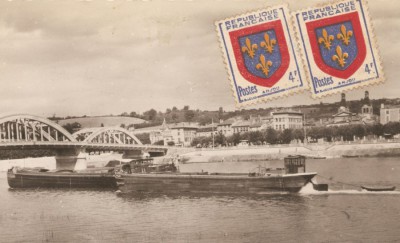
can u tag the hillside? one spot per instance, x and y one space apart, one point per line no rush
97 121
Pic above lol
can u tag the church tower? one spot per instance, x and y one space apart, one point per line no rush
343 100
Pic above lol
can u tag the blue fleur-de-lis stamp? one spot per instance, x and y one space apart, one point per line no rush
338 45
261 56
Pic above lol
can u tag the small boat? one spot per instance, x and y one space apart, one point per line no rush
316 157
378 189
350 156
134 177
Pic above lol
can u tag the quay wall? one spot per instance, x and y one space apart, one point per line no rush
262 153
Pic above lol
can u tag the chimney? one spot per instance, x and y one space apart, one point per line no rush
382 106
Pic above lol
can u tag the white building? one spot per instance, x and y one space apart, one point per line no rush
287 120
389 113
225 127
180 133
207 131
183 133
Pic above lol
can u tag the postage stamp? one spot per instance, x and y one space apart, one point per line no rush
339 47
261 56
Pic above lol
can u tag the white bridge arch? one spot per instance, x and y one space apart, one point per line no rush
24 127
106 135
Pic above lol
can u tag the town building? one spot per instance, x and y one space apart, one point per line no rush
389 113
183 133
225 128
287 120
178 134
344 117
241 126
207 131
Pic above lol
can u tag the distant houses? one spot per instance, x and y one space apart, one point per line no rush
183 133
344 116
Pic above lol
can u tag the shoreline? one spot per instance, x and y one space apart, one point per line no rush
311 151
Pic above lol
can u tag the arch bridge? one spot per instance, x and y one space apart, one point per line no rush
106 135
16 128
24 130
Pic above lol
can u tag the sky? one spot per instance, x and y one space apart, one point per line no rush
108 57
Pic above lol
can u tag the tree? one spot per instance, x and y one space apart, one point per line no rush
123 125
377 129
326 132
144 138
346 133
271 136
298 134
203 120
174 117
202 141
72 127
286 136
234 139
189 115
134 114
391 128
150 115
335 133
159 142
220 139
255 137
186 108
359 131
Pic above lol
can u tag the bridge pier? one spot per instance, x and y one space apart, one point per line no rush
71 159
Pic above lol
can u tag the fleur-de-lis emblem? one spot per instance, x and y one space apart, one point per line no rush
250 49
268 44
264 65
344 36
326 39
340 57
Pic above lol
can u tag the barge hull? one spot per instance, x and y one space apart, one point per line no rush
175 183
60 180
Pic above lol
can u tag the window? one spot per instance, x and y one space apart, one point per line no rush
387 112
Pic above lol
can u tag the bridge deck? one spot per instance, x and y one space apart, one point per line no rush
83 145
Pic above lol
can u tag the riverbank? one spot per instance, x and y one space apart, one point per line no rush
262 153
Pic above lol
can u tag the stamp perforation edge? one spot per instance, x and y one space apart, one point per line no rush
294 49
371 39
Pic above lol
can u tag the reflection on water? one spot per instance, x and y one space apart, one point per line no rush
342 214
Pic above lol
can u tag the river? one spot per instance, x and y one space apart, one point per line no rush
343 214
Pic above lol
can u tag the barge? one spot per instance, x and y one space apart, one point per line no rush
102 177
133 178
42 178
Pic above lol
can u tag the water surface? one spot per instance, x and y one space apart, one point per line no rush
344 214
